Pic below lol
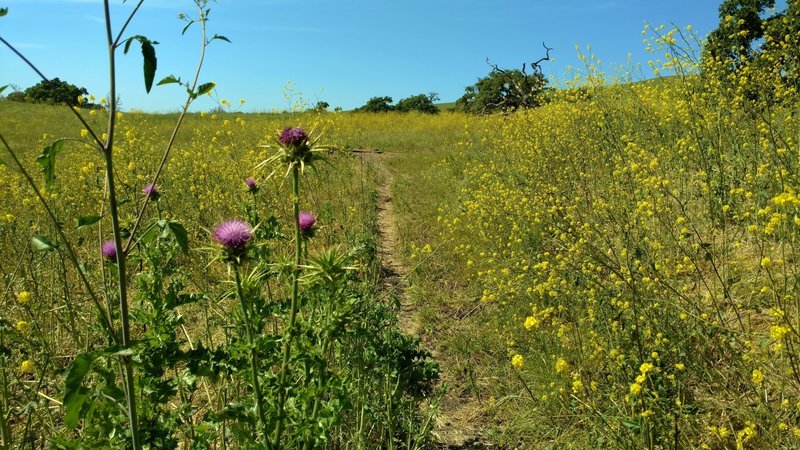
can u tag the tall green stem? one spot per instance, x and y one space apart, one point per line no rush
257 394
5 429
130 392
287 344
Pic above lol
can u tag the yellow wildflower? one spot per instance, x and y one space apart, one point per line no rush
24 297
23 327
27 366
758 377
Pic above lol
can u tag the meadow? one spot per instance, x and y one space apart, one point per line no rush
613 269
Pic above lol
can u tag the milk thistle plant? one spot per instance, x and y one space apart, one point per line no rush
234 237
295 152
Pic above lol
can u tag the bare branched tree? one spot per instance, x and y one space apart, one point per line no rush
522 91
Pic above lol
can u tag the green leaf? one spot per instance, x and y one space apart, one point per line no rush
3 88
42 243
150 63
3 11
128 43
148 235
221 38
180 235
123 352
205 88
149 55
48 161
187 27
74 392
87 221
168 80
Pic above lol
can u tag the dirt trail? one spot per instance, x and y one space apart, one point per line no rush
393 272
456 428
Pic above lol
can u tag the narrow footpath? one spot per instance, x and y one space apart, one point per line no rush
455 428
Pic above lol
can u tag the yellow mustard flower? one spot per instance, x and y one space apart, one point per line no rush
758 377
27 366
23 327
24 297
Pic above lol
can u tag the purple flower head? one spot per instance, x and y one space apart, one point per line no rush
150 191
233 234
251 184
293 137
109 250
307 221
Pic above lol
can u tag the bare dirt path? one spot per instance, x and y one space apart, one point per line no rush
393 272
455 427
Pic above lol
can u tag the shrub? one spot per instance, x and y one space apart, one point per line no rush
422 103
55 91
377 104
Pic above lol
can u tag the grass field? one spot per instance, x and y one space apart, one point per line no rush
614 269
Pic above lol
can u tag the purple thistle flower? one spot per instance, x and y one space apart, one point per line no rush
251 184
109 250
307 221
293 137
233 234
150 191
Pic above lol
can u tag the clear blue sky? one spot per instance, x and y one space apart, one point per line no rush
339 51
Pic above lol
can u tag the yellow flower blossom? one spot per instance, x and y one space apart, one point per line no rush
22 326
27 366
24 297
758 377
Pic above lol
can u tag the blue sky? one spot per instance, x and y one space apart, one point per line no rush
339 51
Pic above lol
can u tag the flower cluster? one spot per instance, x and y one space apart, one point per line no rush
307 222
233 235
109 250
150 191
293 137
252 186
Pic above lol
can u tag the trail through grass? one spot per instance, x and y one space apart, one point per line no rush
458 424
